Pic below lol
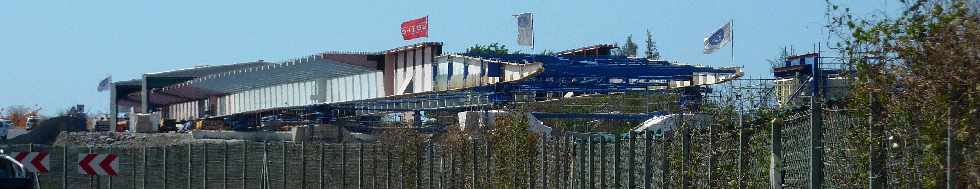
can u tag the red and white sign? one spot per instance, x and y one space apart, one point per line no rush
98 164
415 28
33 161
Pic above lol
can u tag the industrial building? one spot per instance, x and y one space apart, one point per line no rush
794 76
405 79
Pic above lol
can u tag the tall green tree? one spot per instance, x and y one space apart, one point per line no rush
629 49
651 51
922 68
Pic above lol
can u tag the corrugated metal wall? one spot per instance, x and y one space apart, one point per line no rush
414 70
183 111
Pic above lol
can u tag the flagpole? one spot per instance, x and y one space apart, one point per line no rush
732 22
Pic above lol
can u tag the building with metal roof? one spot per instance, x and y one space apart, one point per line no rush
408 78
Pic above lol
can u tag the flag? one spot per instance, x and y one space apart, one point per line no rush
104 84
525 29
718 39
415 28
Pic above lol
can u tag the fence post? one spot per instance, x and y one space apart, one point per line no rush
686 149
265 165
743 144
776 163
602 161
877 145
144 167
665 160
816 130
374 166
431 166
617 160
110 178
282 176
442 171
418 161
64 164
452 170
360 165
204 165
544 162
244 164
224 165
591 163
164 166
711 154
388 169
647 168
513 177
565 170
631 157
489 162
401 173
133 164
343 165
92 179
952 148
190 160
476 165
302 156
531 178
582 168
323 162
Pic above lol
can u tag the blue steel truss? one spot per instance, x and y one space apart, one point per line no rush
597 74
559 74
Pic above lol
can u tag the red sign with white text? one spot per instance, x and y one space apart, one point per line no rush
415 28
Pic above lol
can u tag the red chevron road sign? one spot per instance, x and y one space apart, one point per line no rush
33 161
98 164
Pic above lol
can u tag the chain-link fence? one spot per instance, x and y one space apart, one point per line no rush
716 151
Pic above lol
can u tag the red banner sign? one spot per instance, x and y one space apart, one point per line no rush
415 28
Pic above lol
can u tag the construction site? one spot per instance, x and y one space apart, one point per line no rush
413 117
883 103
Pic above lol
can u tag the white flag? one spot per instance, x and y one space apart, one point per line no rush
525 29
718 39
104 84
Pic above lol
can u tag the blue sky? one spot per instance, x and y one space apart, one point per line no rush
56 51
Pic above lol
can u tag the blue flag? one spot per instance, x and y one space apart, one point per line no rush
104 84
718 39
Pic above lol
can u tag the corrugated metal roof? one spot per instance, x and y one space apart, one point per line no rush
264 76
589 48
201 71
131 82
413 46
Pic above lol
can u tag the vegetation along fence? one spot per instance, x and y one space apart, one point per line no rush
697 154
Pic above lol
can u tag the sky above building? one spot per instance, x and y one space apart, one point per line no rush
55 52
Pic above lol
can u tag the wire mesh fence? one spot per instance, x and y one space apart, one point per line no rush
722 152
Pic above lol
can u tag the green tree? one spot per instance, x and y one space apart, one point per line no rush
922 68
493 48
629 48
548 52
651 51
